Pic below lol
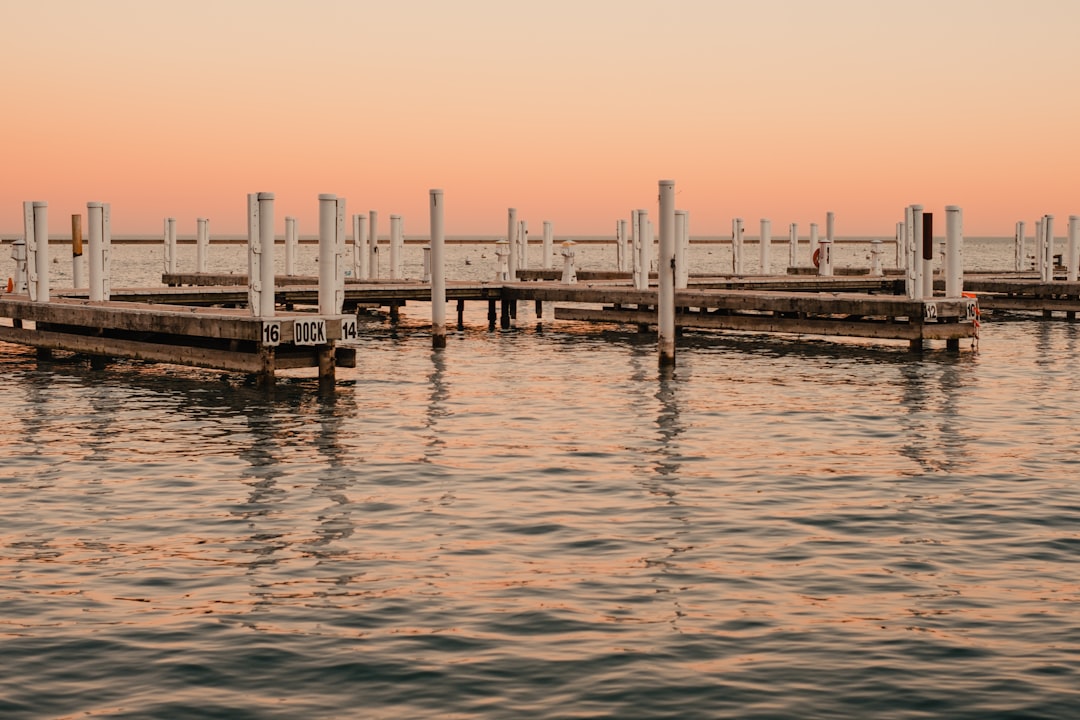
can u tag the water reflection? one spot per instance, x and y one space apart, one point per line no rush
935 429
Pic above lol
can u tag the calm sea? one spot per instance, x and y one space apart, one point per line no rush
537 523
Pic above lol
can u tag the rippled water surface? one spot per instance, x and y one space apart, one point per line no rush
539 523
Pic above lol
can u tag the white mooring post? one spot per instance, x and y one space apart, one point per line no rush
900 255
916 248
682 246
202 244
830 236
18 254
1048 247
875 258
814 243
569 272
36 229
736 246
290 245
765 245
523 242
632 241
954 252
426 277
254 255
1019 247
362 253
100 232
793 245
396 245
331 251
1074 248
438 271
620 245
266 250
641 257
170 245
502 261
511 237
77 279
373 239
666 269
1039 251
549 239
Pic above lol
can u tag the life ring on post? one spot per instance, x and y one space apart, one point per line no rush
817 257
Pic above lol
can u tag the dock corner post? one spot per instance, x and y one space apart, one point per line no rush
438 270
94 211
642 246
266 246
331 230
327 366
170 246
254 255
548 240
765 245
36 230
666 270
202 241
265 377
511 237
793 245
77 279
396 244
954 252
1074 248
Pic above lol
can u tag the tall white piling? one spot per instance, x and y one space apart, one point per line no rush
549 239
99 230
290 245
331 252
170 245
682 247
523 241
1048 247
915 238
641 264
765 245
1018 247
359 246
620 245
793 245
737 246
266 249
254 255
900 255
502 261
36 229
1074 247
373 239
666 268
397 243
362 253
202 243
1040 252
511 237
814 243
632 241
438 271
954 252
77 279
825 258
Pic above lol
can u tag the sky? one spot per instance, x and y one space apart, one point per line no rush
569 111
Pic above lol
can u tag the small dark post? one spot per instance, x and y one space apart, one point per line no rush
492 315
460 314
928 236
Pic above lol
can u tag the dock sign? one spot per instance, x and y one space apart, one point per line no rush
271 333
309 332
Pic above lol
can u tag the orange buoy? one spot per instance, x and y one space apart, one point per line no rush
10 285
817 257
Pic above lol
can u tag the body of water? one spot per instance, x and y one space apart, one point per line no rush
538 523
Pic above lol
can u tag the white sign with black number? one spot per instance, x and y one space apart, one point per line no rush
972 309
348 328
930 311
309 332
271 333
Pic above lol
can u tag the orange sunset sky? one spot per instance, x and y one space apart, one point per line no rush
568 110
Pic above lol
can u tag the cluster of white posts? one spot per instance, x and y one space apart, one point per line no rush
31 253
915 247
1044 248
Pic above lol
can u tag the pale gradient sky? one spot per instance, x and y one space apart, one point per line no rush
570 111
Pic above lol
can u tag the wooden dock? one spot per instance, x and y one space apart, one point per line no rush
1025 293
219 338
